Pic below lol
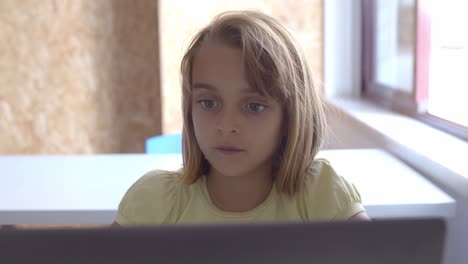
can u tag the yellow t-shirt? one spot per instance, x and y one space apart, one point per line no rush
158 198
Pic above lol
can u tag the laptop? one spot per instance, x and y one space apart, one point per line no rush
407 241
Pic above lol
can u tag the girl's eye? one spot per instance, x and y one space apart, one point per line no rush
208 104
254 107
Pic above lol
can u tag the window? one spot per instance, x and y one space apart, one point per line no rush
448 61
415 58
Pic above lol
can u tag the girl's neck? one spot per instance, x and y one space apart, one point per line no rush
239 193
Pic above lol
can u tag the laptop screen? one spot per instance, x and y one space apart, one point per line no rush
414 241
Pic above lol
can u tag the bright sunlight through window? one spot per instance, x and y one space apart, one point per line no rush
448 78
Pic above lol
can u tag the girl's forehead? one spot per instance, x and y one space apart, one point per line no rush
216 63
217 49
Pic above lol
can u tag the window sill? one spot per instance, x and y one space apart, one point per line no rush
441 157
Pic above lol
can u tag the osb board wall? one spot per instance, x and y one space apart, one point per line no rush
78 76
180 20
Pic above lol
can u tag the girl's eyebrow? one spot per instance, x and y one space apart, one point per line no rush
210 87
204 86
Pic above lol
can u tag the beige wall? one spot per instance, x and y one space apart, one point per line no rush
180 20
78 76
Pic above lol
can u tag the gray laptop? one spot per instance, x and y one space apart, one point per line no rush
411 241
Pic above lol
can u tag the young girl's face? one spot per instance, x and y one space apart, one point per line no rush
237 129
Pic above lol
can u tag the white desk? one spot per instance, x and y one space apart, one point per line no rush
87 189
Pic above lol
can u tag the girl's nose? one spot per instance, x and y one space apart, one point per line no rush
232 131
227 123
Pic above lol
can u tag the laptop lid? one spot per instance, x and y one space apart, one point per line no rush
411 241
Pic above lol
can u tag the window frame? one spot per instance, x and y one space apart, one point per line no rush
410 104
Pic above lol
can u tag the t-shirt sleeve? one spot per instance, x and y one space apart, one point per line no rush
328 195
150 200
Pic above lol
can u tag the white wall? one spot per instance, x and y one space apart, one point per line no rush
342 47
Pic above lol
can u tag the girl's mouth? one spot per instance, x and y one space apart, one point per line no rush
229 150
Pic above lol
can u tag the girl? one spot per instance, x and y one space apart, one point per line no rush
253 123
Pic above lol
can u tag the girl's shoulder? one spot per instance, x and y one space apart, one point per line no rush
159 179
153 199
321 172
327 194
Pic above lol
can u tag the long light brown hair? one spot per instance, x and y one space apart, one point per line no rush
275 66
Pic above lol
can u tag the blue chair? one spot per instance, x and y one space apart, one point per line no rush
164 144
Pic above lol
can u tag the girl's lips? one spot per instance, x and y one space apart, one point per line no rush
228 150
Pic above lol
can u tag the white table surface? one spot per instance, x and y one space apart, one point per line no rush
86 189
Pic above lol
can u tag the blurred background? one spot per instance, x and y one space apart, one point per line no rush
87 77
80 77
